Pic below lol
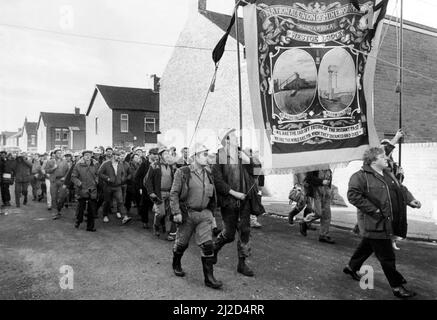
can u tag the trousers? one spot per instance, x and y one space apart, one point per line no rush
236 220
384 253
92 210
108 195
198 223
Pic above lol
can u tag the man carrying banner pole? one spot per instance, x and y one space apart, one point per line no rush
233 199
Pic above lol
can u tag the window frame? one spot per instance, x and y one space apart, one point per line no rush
58 134
121 122
65 131
146 123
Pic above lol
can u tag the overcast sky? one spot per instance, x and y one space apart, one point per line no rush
42 71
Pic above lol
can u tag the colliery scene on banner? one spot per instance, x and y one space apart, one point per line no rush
218 150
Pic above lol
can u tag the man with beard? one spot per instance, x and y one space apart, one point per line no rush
235 187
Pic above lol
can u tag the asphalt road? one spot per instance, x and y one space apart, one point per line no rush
128 262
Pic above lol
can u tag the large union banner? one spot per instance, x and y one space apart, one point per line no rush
311 67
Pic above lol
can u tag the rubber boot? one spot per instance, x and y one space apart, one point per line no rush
291 215
243 268
218 244
208 272
177 268
156 229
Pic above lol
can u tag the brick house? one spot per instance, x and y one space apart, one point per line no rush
123 117
61 130
28 140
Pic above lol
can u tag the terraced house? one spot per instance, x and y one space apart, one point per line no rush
61 130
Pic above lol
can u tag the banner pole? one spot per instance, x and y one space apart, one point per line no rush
240 104
401 65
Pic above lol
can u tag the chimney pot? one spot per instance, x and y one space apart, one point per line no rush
77 111
202 5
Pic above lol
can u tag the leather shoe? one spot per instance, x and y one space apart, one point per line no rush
403 293
326 239
352 273
91 230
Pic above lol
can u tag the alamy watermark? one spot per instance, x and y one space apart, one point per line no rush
66 282
366 281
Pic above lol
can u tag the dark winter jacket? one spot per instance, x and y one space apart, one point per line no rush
179 192
131 182
36 169
22 170
388 149
84 177
67 180
7 166
153 178
109 177
369 192
313 181
141 173
57 169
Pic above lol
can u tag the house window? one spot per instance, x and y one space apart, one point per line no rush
124 123
65 135
149 125
97 122
57 134
33 139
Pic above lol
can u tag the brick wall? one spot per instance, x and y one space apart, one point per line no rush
136 128
52 142
79 140
420 95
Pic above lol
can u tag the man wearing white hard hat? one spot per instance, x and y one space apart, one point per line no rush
234 197
192 201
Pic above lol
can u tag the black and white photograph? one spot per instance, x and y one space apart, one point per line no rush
237 154
337 80
294 79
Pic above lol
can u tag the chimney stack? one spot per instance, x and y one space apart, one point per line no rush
155 82
77 111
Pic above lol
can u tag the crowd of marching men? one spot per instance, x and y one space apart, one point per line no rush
56 177
187 190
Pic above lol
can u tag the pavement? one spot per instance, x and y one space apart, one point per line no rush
128 262
346 217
